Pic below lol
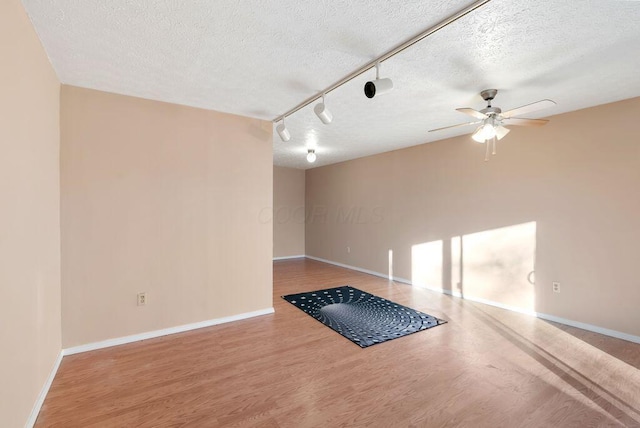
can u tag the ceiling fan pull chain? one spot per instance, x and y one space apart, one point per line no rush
494 145
486 153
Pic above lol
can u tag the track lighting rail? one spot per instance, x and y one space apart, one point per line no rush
396 50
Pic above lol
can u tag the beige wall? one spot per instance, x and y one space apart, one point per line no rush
162 199
288 212
563 197
29 216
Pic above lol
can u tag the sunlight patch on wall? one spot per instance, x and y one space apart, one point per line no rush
494 265
426 265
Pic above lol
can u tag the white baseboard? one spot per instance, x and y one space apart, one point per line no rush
33 416
488 302
584 326
302 256
370 272
590 327
164 332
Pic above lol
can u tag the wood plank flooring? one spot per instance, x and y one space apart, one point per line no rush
486 368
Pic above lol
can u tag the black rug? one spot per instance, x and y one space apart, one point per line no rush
361 317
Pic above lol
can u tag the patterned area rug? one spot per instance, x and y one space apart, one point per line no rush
363 318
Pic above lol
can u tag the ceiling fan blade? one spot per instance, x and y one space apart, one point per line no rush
471 112
525 122
454 126
539 105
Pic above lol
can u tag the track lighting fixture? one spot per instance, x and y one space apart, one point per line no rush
311 156
283 132
323 112
372 88
378 86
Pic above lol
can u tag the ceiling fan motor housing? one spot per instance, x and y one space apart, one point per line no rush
491 111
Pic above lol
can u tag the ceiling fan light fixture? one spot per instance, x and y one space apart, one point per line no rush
484 132
489 131
478 135
491 120
501 131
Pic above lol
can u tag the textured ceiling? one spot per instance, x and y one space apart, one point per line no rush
259 58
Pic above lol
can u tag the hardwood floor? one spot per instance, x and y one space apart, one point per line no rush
486 368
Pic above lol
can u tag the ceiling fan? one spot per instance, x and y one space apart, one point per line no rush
492 119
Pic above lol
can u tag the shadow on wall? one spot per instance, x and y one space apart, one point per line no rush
495 266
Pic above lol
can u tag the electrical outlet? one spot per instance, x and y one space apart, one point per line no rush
142 299
556 287
348 250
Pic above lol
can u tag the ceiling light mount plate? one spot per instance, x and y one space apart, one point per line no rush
489 94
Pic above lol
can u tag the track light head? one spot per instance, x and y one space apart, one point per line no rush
283 132
323 112
378 86
311 156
